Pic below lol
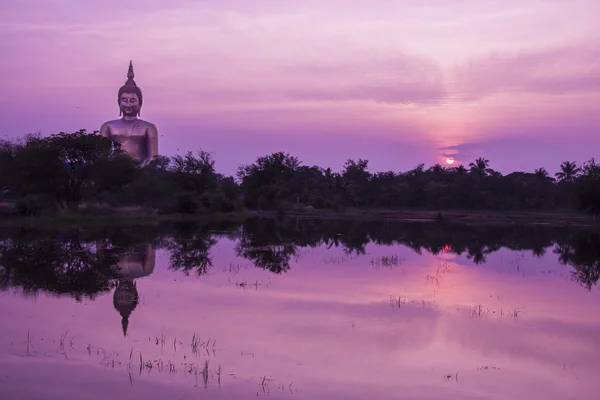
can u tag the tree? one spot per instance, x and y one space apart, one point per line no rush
194 174
542 175
265 184
480 167
568 172
356 179
587 188
62 168
66 169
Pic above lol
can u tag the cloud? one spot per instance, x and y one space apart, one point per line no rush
526 152
550 71
398 78
403 79
224 56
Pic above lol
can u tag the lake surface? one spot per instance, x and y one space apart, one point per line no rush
300 309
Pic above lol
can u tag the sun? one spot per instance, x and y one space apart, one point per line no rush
450 160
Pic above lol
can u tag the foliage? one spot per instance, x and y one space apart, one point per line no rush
279 180
63 166
65 170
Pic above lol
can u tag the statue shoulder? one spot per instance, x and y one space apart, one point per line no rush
148 125
105 128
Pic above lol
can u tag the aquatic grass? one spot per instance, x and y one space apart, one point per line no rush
233 269
130 358
449 376
114 360
433 279
515 313
62 343
487 367
161 340
244 284
263 382
205 373
480 311
387 261
400 301
195 343
172 369
29 342
339 260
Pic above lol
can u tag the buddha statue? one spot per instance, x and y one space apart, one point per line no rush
137 137
134 264
125 300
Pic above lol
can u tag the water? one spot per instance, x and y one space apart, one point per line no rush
300 310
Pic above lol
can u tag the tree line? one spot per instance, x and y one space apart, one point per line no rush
81 170
70 262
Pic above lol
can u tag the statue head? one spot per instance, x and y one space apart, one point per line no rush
129 98
125 300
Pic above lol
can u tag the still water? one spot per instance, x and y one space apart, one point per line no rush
300 310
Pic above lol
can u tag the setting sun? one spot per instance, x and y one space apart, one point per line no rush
450 160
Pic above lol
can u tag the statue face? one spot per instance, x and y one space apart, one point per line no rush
129 104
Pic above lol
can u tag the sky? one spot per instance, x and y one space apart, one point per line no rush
397 82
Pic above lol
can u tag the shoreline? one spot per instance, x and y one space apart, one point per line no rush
464 217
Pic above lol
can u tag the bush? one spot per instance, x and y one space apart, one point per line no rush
95 209
222 204
319 202
30 205
186 203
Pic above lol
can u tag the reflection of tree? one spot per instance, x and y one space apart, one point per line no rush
84 263
270 243
266 246
539 251
74 262
477 253
274 258
189 248
353 236
583 254
63 266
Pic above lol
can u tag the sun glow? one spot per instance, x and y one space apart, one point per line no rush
450 160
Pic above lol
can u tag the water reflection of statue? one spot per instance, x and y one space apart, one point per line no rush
132 265
137 137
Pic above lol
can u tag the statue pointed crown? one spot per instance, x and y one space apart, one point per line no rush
130 75
130 86
125 300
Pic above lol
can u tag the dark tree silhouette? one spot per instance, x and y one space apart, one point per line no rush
66 170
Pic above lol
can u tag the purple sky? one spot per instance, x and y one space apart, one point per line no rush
398 82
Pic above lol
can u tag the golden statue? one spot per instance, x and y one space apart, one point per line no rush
133 265
137 137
